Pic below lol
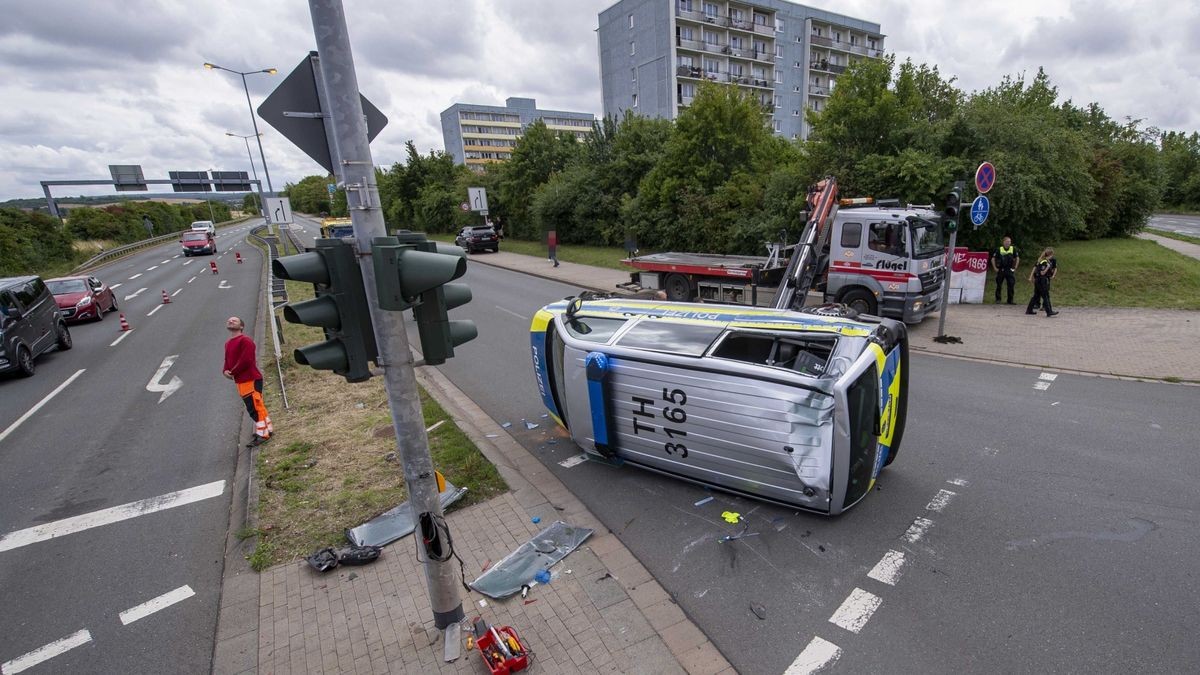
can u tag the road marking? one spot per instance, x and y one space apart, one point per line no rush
856 610
169 388
917 530
152 268
188 262
1044 381
1041 386
888 569
156 308
1050 377
961 482
165 261
224 284
191 280
573 461
38 406
135 294
818 654
940 500
124 335
45 652
60 528
151 606
114 286
135 276
176 292
509 311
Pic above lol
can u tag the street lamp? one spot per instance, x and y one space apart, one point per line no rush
250 157
253 119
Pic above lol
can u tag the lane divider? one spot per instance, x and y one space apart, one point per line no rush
38 406
45 653
156 604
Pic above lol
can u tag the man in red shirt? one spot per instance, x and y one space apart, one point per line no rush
241 366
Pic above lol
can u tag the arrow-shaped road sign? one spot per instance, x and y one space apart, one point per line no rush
155 382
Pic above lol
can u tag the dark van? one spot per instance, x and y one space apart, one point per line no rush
30 323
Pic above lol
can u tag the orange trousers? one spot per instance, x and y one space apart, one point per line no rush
251 393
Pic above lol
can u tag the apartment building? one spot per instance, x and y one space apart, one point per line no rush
655 53
477 135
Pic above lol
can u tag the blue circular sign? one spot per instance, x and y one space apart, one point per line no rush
979 210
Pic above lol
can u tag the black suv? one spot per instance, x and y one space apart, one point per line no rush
30 323
478 238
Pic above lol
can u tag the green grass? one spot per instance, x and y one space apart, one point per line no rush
597 256
1173 235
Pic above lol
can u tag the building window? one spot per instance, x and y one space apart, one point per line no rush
778 25
796 89
778 126
633 74
686 61
711 66
853 39
711 38
799 39
685 5
778 76
837 36
632 48
710 10
797 65
778 51
685 32
817 80
872 43
816 31
631 21
778 103
635 100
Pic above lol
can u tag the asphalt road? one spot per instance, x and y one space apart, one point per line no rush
105 440
1189 225
1060 527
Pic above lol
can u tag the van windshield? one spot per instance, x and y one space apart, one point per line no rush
195 236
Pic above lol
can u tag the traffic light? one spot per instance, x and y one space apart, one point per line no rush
413 272
340 309
953 203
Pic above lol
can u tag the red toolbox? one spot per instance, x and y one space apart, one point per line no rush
493 656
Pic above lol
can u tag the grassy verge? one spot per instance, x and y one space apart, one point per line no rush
597 256
1173 235
331 463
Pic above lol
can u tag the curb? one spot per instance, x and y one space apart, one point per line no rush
541 493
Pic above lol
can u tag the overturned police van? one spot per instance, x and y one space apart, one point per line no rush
802 408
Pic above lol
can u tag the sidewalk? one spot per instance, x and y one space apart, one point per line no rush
1185 247
1150 343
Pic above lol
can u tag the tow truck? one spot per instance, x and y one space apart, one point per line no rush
336 228
880 259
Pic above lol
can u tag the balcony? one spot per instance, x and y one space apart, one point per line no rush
701 17
700 46
685 101
751 54
820 40
696 73
827 67
818 91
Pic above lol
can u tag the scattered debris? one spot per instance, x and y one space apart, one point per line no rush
398 522
542 576
352 577
607 575
486 565
536 555
544 415
530 602
506 425
390 457
493 435
323 560
948 340
531 425
483 603
732 517
566 571
360 406
759 611
820 548
359 555
704 501
778 524
435 425
535 520
740 535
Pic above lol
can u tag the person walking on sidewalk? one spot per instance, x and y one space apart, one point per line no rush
1005 261
241 366
1043 272
552 244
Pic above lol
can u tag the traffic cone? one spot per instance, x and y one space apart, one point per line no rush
212 264
166 298
124 324
238 255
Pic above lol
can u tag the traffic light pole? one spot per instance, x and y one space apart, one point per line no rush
340 100
946 284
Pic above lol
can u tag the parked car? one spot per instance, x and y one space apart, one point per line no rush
197 242
81 298
205 226
478 238
30 324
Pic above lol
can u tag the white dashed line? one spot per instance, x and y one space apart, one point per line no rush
818 654
888 569
573 461
917 530
151 312
32 411
191 280
152 268
856 610
124 335
86 521
188 262
114 285
940 500
961 482
151 606
45 652
165 261
135 276
176 292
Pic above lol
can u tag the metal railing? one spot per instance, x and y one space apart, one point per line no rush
271 244
122 251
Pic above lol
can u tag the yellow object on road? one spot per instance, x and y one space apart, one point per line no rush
731 517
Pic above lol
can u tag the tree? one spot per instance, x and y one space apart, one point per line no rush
31 242
1180 155
537 155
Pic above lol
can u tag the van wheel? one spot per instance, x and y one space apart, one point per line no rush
861 301
24 361
678 288
64 338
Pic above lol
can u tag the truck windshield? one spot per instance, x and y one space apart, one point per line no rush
927 239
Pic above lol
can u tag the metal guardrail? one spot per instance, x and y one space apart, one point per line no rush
121 251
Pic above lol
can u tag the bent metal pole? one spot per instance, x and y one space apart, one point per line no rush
340 100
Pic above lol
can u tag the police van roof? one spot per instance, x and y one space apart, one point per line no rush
731 316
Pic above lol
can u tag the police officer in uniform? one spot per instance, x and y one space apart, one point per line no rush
1043 272
1005 261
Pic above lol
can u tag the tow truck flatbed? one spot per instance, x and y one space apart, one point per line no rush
707 264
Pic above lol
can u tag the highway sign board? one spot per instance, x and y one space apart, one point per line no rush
190 181
294 109
331 187
128 177
985 177
478 199
279 210
231 181
979 210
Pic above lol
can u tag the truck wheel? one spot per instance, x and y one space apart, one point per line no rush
861 301
678 288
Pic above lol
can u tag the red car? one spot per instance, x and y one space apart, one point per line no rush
81 298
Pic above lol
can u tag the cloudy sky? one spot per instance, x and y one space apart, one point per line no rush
88 84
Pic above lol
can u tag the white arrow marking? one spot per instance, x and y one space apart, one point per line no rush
224 284
168 388
134 295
